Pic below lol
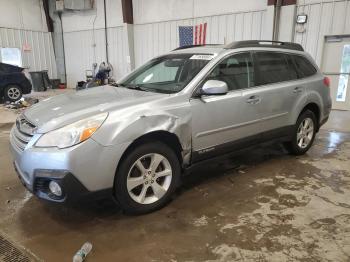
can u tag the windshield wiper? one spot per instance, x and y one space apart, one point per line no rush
135 87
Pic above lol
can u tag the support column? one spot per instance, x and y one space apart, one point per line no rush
58 41
128 19
280 20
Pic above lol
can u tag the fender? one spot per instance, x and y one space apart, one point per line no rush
135 125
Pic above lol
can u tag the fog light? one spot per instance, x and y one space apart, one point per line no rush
55 188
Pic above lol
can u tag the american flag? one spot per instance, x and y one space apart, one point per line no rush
193 35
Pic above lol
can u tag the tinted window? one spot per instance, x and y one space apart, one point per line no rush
275 67
236 71
304 67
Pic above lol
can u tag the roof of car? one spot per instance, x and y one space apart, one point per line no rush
214 49
203 49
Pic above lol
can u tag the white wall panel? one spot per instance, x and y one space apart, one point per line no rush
93 19
154 39
23 22
117 48
150 11
81 51
41 56
324 18
22 14
83 48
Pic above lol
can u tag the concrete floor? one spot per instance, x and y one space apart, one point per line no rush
262 205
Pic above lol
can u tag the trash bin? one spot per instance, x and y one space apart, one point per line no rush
40 81
55 83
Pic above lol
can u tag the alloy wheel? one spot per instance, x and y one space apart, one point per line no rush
149 178
305 133
14 93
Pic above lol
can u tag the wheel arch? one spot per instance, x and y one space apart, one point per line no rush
4 86
166 137
313 107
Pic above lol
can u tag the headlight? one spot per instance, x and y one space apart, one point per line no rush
72 134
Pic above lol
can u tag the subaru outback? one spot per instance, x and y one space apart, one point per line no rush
134 140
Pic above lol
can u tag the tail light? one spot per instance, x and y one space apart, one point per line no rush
326 81
26 74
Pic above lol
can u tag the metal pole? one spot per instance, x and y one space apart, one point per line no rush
106 33
63 47
277 15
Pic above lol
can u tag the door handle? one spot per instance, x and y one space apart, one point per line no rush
253 100
297 90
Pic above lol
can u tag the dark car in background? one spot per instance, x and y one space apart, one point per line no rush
13 82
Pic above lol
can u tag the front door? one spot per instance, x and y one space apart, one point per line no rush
336 65
217 121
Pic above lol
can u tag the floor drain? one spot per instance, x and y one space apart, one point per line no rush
10 253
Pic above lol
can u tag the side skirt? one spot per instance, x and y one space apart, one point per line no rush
232 148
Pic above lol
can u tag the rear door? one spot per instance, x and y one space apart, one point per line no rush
278 90
224 122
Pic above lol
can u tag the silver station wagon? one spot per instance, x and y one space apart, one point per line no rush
134 140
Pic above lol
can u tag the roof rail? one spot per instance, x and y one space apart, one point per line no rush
265 43
191 46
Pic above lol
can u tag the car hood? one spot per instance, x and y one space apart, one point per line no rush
61 110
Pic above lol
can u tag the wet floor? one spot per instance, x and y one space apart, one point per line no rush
261 205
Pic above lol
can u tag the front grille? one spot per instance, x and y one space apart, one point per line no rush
41 184
23 132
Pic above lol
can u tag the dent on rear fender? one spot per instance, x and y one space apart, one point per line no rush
133 128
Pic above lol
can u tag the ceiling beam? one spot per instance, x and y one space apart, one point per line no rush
284 2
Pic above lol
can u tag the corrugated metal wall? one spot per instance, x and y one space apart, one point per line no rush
83 48
41 56
153 39
324 18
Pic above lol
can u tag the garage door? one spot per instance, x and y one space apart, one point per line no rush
336 65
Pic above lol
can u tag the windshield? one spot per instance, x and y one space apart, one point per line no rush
167 74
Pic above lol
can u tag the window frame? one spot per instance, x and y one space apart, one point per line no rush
195 93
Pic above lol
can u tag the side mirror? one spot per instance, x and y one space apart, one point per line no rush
214 87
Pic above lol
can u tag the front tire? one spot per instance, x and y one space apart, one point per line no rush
12 93
304 133
146 178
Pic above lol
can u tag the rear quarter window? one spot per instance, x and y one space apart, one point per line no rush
304 66
274 67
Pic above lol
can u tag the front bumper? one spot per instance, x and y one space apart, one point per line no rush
85 169
72 189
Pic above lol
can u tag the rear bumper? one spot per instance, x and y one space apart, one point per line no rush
26 86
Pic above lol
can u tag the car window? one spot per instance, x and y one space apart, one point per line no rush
167 74
11 56
274 67
236 71
304 67
158 73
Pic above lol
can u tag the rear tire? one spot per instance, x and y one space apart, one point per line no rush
12 93
146 178
304 133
